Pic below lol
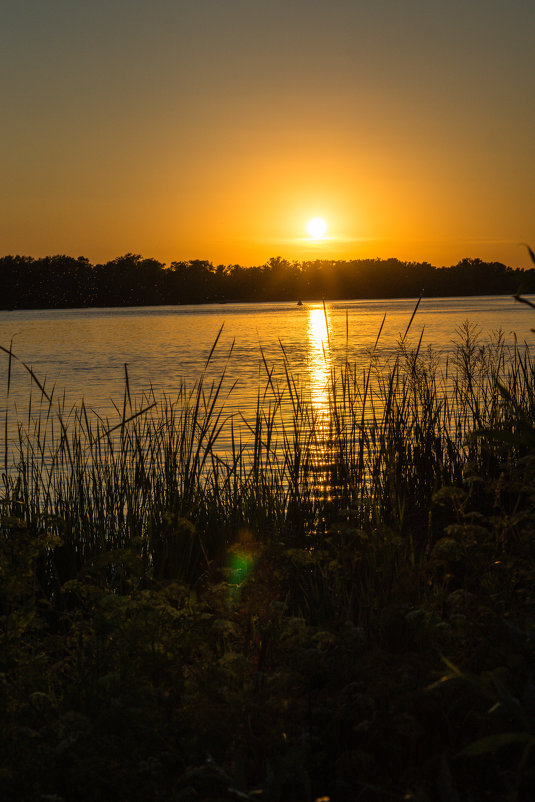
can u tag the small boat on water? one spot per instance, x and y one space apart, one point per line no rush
299 302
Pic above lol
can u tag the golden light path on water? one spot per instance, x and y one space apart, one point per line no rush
319 359
320 366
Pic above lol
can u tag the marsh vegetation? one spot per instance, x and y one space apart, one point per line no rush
337 603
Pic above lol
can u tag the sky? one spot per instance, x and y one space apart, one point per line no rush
215 129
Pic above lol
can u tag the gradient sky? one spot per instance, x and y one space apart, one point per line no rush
214 129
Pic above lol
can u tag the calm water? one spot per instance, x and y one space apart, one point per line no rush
82 352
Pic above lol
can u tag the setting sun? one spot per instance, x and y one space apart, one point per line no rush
317 227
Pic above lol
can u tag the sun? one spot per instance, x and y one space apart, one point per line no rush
317 227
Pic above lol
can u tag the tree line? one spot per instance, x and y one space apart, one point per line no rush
64 281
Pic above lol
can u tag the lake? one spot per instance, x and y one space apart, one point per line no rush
82 352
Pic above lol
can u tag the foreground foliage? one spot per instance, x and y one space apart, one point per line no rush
341 605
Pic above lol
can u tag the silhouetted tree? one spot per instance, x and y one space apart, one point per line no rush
131 280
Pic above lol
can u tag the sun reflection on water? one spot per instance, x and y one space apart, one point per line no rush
320 366
319 359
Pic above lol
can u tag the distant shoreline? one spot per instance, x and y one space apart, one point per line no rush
236 302
63 282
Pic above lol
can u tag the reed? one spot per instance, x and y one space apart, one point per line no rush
275 591
180 478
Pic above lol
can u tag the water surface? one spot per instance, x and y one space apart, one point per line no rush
82 352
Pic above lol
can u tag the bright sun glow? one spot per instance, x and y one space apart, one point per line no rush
317 227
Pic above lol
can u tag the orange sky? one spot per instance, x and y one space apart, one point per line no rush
216 130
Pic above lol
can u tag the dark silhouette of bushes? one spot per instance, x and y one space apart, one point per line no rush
62 281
